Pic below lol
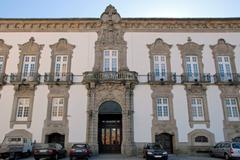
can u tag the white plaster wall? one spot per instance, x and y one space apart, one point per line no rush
6 102
77 113
142 113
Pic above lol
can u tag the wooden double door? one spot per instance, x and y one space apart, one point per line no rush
165 140
110 133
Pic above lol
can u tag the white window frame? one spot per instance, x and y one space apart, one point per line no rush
197 109
61 67
192 68
23 109
29 67
160 67
110 60
232 109
2 59
224 68
57 109
162 108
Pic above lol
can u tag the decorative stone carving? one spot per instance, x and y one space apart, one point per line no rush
4 48
224 49
30 47
19 133
230 128
198 91
110 37
191 49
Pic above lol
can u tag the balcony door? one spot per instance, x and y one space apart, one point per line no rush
110 60
61 67
29 68
160 68
192 69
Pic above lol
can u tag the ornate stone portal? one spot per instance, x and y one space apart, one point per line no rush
116 86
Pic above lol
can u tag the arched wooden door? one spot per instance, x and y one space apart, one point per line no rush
165 140
110 127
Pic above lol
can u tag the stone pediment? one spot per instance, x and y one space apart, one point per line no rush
30 47
190 47
62 46
222 47
159 46
4 48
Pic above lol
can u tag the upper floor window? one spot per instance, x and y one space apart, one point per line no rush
110 60
160 67
224 66
197 109
61 66
232 109
57 109
23 106
162 109
29 67
192 69
1 64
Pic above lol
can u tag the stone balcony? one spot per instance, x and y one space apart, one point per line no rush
58 78
227 78
161 78
3 79
25 78
196 78
110 77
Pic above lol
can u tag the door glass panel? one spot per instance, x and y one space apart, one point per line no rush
107 136
113 136
118 136
103 136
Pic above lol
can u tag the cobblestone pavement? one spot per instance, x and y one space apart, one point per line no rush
120 157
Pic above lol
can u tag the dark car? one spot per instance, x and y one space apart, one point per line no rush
49 150
152 151
80 150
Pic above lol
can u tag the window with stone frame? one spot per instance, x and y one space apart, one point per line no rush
191 54
192 68
162 108
232 110
61 67
197 105
110 60
224 68
223 54
29 67
57 109
160 67
23 106
197 109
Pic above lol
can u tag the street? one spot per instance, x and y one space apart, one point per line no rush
120 157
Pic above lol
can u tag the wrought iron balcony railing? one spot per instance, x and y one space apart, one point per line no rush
58 78
110 76
24 78
3 78
231 78
196 78
162 78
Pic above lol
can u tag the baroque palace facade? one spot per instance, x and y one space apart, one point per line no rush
117 83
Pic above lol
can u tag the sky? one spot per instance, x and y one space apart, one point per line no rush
126 8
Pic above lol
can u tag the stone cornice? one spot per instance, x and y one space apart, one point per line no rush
128 24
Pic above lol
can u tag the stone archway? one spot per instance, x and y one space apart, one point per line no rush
110 127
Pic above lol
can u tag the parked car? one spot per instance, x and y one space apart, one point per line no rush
49 150
14 147
80 150
152 151
228 150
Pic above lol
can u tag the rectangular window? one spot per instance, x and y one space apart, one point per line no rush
61 64
224 66
160 67
162 108
57 109
29 67
197 109
23 109
232 109
1 64
110 60
192 69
